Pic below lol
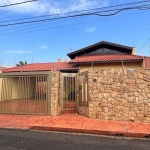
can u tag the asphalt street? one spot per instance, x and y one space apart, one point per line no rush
37 140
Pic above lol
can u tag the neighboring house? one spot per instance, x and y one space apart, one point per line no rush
77 85
34 67
2 68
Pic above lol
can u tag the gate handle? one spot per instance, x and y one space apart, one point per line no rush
78 90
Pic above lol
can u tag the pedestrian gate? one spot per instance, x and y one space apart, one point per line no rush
69 94
23 94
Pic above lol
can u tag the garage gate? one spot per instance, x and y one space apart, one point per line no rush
24 94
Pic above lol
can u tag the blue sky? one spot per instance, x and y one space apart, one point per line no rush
48 41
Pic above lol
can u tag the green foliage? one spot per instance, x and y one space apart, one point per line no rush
21 63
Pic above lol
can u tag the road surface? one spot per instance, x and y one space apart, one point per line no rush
37 140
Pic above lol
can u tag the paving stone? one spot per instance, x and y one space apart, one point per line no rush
72 122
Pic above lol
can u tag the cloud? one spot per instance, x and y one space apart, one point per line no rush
18 52
52 6
8 66
43 47
27 8
90 30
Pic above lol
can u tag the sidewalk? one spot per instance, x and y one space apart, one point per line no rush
75 123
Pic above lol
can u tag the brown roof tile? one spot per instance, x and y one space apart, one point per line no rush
106 58
42 67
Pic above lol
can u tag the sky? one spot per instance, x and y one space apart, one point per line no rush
50 40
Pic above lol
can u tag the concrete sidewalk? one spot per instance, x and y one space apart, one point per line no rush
75 123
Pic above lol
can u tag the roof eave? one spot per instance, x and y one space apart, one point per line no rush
71 55
87 62
74 69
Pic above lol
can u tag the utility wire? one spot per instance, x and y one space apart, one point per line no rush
140 8
46 28
18 3
145 44
33 26
50 24
36 26
77 15
125 4
29 31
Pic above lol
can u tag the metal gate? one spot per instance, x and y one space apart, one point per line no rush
69 94
83 89
23 94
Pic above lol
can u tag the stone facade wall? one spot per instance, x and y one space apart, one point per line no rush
55 93
83 110
119 94
0 85
60 94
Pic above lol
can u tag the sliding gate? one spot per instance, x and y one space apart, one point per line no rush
23 94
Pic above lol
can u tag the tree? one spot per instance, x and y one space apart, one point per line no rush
21 63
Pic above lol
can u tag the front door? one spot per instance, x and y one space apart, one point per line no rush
69 94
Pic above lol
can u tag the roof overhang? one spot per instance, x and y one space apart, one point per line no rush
102 62
37 67
102 44
106 59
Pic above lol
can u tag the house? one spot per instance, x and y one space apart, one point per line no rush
1 68
96 82
100 55
107 55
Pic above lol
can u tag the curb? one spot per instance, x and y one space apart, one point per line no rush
97 132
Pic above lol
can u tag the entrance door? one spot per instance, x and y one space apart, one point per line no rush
69 94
